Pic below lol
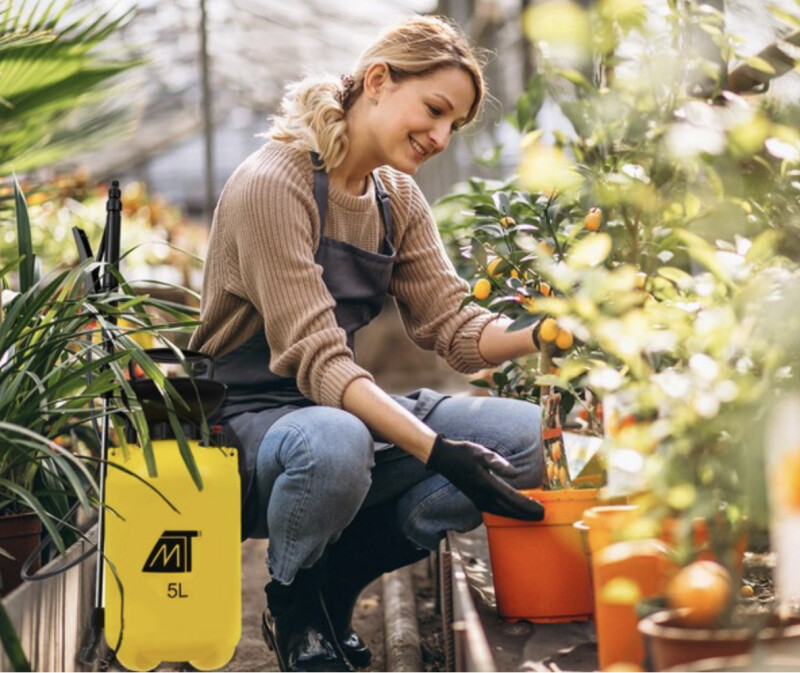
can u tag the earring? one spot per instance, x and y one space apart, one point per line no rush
372 101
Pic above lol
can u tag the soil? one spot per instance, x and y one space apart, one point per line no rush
757 574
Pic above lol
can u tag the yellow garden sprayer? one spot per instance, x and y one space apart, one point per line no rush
170 540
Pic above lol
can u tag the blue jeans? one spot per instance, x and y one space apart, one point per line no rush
316 468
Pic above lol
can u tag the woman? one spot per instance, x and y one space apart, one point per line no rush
311 233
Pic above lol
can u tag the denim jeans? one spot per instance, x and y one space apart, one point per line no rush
317 467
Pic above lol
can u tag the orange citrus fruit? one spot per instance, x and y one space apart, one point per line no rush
544 288
703 589
747 591
593 219
551 471
482 289
564 339
549 330
556 451
787 477
508 221
562 475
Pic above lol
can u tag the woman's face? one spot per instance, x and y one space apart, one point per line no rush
415 118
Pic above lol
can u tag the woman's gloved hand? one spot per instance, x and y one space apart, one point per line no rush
470 468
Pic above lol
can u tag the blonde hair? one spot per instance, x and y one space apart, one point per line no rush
312 112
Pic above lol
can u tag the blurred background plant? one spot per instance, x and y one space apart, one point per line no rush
162 246
659 226
56 93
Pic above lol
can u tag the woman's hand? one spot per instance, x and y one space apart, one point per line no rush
471 467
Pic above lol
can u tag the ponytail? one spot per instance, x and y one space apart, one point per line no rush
311 117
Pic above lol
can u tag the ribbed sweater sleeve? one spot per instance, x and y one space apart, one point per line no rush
429 292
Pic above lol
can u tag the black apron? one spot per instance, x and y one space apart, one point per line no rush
359 281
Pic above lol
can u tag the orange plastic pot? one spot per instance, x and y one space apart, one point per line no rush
539 568
624 573
605 523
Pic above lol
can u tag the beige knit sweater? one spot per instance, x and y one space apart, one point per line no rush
260 273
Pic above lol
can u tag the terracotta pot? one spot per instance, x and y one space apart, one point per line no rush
744 662
19 535
669 644
539 568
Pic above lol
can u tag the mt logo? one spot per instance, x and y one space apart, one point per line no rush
172 553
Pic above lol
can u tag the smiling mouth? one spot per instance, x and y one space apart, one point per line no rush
419 149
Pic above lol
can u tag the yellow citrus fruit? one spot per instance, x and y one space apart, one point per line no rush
747 591
593 219
564 339
482 289
491 268
549 330
620 591
703 589
514 273
544 288
508 221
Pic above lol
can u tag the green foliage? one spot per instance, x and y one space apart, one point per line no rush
54 87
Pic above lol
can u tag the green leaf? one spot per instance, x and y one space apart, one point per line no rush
502 202
764 246
760 64
478 251
523 321
500 379
704 253
11 643
591 251
24 241
575 77
673 274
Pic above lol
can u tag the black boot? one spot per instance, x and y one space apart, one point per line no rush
369 547
296 626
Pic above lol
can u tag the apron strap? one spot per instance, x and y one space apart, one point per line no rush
385 207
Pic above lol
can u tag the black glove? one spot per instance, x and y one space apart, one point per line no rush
470 468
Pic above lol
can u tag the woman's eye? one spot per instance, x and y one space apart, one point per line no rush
435 111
